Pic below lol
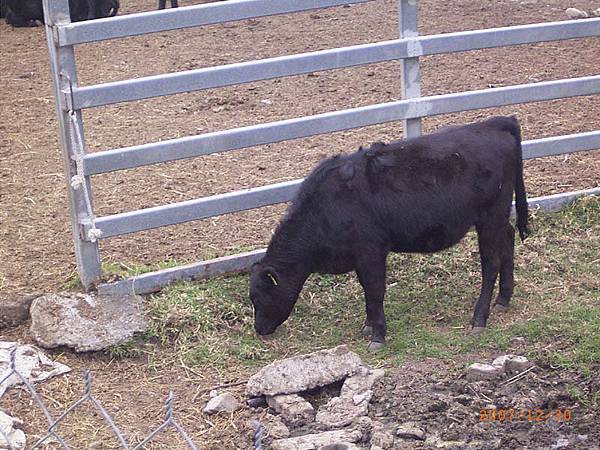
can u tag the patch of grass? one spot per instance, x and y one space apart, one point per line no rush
429 303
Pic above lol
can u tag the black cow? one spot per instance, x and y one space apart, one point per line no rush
26 13
163 3
419 195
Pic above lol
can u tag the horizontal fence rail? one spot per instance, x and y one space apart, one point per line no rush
246 199
185 17
72 99
136 156
246 72
154 281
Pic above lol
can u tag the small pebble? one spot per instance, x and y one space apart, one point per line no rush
575 13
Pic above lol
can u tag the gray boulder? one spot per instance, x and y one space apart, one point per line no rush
294 410
301 373
85 322
222 403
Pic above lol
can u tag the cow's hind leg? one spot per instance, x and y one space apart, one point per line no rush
506 270
490 244
371 275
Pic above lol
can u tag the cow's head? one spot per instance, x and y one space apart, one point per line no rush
93 9
107 8
273 296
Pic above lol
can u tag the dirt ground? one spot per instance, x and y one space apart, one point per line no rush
36 248
35 243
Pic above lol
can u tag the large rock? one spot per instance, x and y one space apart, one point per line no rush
361 382
353 401
11 428
15 310
301 373
340 412
294 410
479 372
317 441
85 322
30 362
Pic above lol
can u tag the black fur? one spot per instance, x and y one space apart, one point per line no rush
163 3
26 13
419 195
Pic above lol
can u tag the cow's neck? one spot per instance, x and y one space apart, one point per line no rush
291 247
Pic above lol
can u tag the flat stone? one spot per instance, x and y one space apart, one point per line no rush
361 382
340 412
410 430
222 403
318 440
11 428
85 322
478 372
30 362
517 364
500 362
275 428
301 373
14 310
294 410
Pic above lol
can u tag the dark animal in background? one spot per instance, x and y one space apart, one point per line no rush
26 13
419 195
3 8
163 3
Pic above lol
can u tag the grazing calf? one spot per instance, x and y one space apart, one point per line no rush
162 4
419 195
26 13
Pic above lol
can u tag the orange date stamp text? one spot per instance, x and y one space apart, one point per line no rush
529 415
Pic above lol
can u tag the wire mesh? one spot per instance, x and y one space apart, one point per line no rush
51 434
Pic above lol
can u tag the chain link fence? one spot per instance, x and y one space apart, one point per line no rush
52 435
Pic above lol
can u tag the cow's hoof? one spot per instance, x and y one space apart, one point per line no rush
476 330
501 308
375 346
367 330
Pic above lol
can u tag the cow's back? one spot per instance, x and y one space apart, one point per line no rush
417 195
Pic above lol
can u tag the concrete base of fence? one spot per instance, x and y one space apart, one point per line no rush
154 281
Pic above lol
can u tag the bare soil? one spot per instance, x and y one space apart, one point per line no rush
36 247
35 242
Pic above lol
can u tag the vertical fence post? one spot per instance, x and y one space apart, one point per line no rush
409 69
64 77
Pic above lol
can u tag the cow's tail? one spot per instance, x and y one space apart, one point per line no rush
520 194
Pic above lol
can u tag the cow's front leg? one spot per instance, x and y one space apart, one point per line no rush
371 275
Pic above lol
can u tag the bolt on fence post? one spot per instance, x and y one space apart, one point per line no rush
410 69
64 77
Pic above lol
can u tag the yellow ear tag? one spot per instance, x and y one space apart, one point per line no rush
270 275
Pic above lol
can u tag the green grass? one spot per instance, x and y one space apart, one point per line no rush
429 303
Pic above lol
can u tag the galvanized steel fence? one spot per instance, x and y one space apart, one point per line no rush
63 36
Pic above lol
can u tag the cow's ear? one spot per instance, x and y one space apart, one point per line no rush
270 276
